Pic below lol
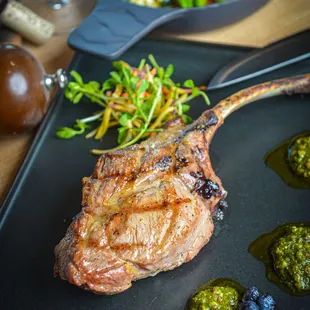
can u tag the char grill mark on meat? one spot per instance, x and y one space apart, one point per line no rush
164 163
206 121
149 208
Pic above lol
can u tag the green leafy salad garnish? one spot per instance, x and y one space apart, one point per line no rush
137 100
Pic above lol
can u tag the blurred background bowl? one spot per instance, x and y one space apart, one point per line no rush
115 25
212 16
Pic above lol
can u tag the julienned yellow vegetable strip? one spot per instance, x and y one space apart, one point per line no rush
160 118
104 124
107 114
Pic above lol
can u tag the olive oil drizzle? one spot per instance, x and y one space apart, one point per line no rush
278 160
261 250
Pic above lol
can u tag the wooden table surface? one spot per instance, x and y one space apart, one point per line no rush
276 20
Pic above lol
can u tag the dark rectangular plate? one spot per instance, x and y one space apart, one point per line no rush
47 192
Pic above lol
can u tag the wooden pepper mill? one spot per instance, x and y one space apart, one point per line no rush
24 89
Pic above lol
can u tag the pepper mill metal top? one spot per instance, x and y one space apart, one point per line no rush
59 78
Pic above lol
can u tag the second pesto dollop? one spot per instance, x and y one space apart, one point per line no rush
216 298
291 160
286 254
291 255
299 156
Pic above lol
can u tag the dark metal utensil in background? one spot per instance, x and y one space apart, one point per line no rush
275 56
115 25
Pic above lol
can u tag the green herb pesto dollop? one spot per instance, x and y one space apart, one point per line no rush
299 156
215 298
291 255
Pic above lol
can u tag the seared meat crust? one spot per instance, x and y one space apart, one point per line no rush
148 208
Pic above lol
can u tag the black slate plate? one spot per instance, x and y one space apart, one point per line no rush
46 194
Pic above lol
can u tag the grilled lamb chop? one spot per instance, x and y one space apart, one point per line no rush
150 207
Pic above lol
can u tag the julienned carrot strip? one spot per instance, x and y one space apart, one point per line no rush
146 95
166 91
153 72
161 117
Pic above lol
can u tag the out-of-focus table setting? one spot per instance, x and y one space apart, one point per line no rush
276 20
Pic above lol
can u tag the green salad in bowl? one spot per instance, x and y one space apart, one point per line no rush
175 3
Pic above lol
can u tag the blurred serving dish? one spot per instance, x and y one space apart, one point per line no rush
115 25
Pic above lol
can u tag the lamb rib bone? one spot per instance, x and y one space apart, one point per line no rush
148 208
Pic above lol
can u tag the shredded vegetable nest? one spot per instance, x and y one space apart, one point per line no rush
137 100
